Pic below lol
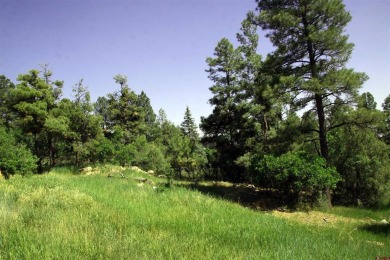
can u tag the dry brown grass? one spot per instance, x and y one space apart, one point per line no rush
320 219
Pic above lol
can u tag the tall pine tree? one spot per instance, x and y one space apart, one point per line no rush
188 126
32 100
125 111
311 53
223 129
310 57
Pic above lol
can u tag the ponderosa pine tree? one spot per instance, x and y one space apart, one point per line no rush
32 100
125 111
256 91
311 53
84 126
245 108
223 128
310 57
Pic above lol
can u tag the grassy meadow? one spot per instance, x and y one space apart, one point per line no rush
61 215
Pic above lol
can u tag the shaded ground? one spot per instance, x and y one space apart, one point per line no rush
377 228
246 195
272 200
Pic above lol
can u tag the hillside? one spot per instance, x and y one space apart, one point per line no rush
71 216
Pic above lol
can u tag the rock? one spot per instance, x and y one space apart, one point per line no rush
369 219
86 170
136 169
383 221
140 179
150 182
90 171
151 172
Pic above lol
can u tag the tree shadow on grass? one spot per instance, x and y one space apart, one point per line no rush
245 195
377 228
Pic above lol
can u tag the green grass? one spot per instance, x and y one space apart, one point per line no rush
66 216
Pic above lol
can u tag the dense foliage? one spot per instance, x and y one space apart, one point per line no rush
40 130
300 99
286 122
14 157
300 176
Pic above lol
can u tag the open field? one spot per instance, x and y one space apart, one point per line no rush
65 216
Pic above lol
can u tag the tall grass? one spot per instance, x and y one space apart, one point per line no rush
66 216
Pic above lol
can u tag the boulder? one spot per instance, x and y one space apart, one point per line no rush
86 170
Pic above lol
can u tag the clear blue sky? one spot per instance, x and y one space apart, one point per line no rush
161 45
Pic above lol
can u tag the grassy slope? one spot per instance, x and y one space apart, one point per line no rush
60 215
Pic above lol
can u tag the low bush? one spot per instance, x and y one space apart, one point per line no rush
141 153
300 176
15 158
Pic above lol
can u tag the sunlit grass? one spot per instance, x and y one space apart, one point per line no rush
67 216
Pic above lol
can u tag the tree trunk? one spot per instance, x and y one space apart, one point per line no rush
323 139
318 101
51 149
37 153
322 127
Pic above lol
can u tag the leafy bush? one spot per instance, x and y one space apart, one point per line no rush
15 158
363 162
125 154
141 153
103 151
300 176
149 156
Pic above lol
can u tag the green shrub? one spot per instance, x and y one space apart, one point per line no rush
103 151
125 154
149 156
194 165
363 162
15 158
300 176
